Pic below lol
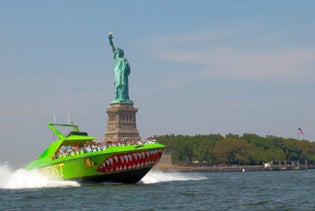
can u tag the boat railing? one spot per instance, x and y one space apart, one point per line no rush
60 135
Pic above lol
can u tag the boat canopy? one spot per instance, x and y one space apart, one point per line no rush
74 134
75 137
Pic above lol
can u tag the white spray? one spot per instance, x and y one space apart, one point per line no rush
21 178
159 176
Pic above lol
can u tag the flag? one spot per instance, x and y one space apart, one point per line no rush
300 131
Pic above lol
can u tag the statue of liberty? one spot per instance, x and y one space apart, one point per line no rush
121 73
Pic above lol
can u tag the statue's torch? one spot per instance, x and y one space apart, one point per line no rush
110 35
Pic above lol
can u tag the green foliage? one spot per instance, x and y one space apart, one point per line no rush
232 150
249 149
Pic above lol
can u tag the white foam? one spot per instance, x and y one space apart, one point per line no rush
21 178
159 176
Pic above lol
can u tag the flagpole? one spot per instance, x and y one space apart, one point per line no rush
298 133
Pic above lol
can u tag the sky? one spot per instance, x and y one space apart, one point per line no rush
197 67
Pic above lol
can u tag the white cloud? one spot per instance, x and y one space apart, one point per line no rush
255 57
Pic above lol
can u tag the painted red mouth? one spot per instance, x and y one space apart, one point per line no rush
130 161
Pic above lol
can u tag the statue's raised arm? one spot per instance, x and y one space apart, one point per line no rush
110 37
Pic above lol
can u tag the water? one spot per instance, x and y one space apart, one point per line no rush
274 190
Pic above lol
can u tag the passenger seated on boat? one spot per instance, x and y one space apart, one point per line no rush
69 150
93 147
55 156
87 147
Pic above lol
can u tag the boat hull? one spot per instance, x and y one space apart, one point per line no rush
128 177
125 164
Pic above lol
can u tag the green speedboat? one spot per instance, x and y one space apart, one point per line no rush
78 156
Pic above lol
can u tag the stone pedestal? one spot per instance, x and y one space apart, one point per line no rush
121 124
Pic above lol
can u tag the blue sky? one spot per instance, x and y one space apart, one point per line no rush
197 67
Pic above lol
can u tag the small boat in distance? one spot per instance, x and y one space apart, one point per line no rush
78 156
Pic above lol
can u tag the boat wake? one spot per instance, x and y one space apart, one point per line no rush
21 178
159 176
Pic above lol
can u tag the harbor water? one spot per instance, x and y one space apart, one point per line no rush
255 190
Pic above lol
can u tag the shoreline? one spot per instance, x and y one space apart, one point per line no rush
179 168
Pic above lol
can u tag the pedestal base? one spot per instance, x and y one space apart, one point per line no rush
121 124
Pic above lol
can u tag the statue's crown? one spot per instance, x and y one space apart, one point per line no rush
119 51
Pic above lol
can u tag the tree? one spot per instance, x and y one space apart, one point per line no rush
232 150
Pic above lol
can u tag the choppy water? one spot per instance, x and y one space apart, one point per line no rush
275 190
